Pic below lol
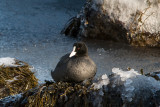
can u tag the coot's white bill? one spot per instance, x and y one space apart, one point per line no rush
73 52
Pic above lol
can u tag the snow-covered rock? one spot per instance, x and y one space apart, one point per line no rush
136 22
133 87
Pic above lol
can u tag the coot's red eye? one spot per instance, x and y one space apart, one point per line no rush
78 48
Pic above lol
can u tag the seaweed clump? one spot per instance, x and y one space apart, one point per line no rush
63 94
16 79
57 94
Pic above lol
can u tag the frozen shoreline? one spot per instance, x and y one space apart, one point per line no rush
30 31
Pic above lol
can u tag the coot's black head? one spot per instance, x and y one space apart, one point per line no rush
79 49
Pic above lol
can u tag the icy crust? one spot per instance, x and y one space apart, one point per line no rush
134 86
7 61
124 75
131 85
142 13
104 80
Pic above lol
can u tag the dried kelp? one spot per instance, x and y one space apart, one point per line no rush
16 79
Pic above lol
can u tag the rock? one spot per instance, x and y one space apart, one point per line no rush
134 22
15 79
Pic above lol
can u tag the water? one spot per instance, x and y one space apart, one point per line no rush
29 31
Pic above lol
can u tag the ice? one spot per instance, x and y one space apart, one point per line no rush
125 11
98 1
130 84
101 93
7 61
125 75
129 81
104 80
129 88
101 50
134 86
158 75
104 76
31 33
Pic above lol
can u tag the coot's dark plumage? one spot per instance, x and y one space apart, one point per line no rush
76 66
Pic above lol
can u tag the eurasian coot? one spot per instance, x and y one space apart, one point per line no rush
76 66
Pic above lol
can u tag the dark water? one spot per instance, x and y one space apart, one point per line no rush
29 31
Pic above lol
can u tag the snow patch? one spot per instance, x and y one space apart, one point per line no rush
134 85
7 61
126 11
104 80
125 74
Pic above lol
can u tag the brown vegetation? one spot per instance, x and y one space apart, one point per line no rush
14 80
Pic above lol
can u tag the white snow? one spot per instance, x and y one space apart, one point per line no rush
125 74
125 11
104 80
7 61
134 84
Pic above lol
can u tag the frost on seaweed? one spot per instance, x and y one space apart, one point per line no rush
15 77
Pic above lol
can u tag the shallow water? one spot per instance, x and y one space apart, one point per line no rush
29 31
